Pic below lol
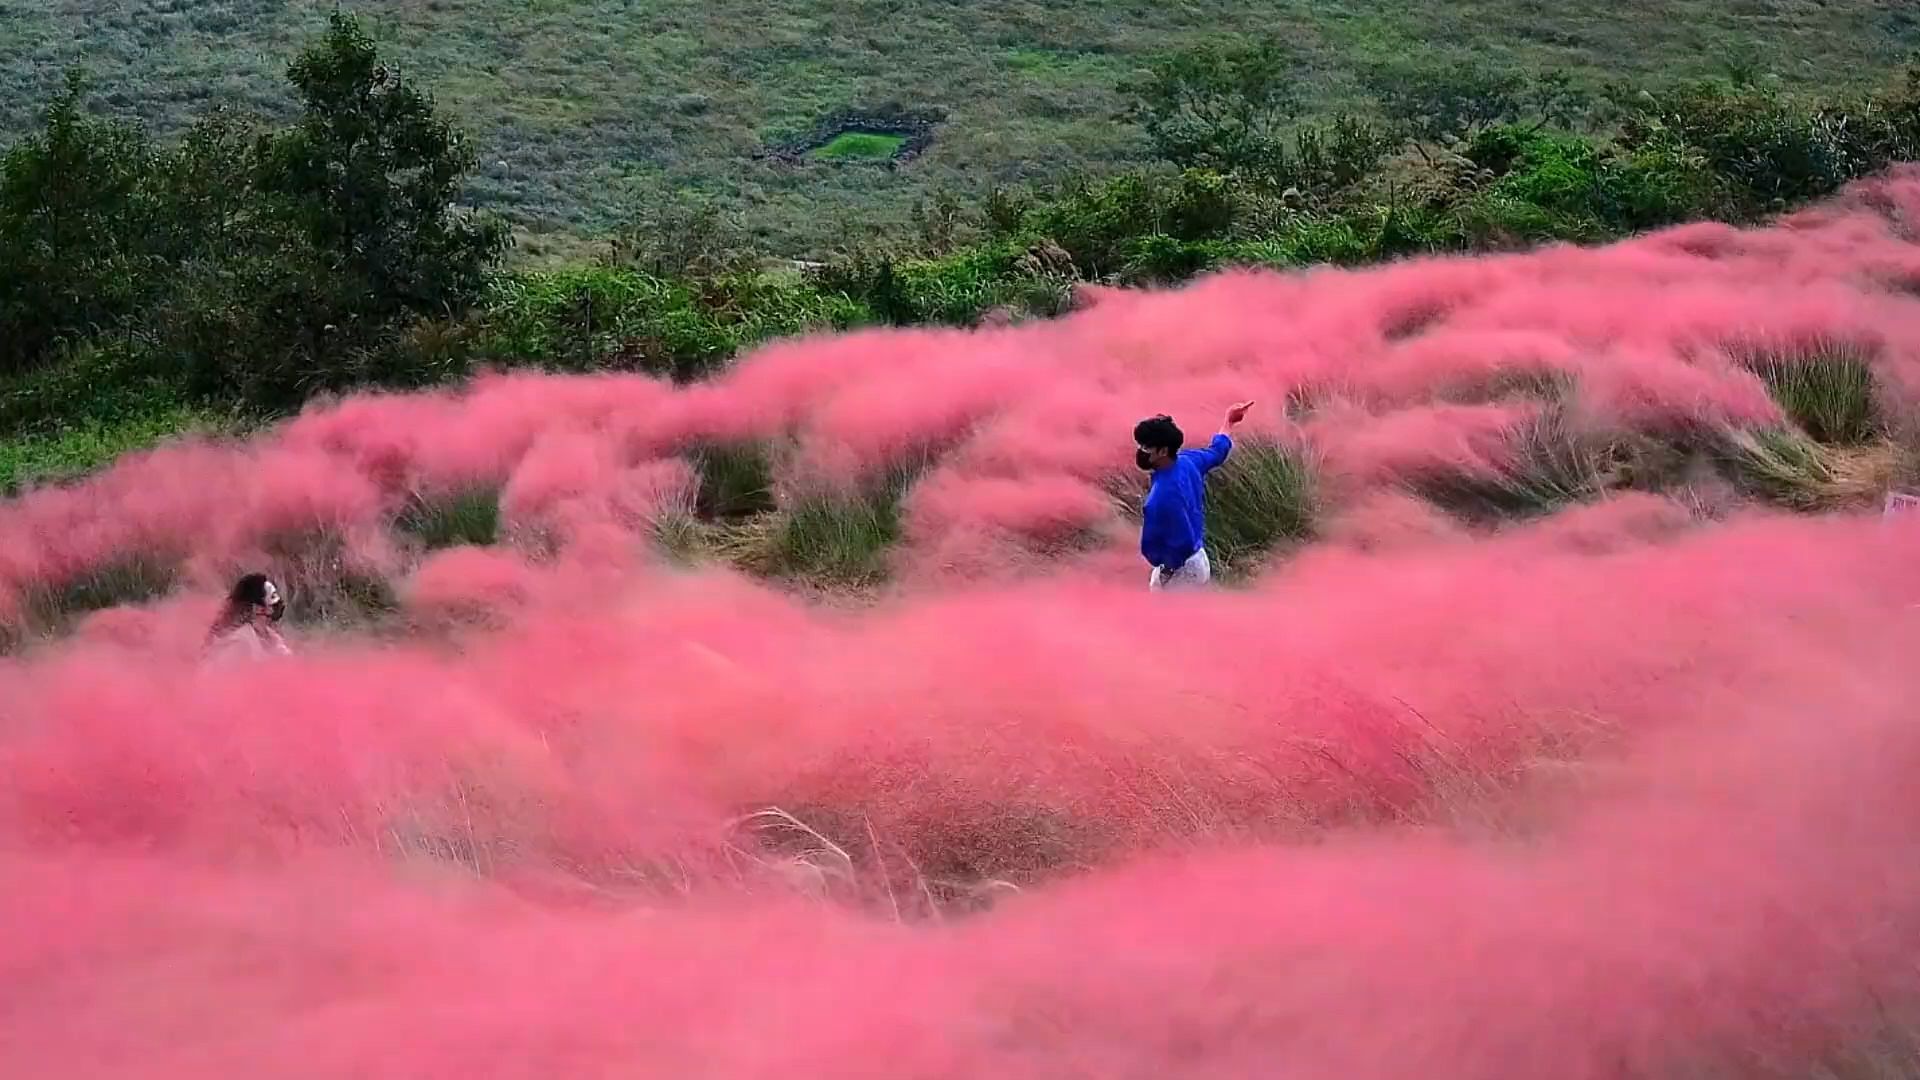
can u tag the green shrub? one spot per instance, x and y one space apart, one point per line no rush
1161 258
1344 239
1217 107
1436 103
681 236
1825 387
953 290
1778 151
1266 494
736 480
1328 158
1573 188
1556 172
468 516
129 579
589 318
841 538
99 384
1502 220
1664 184
1779 465
324 583
1094 223
1551 464
1098 223
1037 296
571 319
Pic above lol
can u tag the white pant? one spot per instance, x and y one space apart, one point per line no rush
1195 572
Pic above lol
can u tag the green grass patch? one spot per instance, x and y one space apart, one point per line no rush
1781 466
1265 495
468 516
1508 384
861 146
736 480
841 539
680 537
130 579
1824 387
67 453
1551 465
324 584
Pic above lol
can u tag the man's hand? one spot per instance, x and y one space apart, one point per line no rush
1237 413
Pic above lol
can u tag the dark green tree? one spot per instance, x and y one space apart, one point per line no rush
1217 106
1441 103
205 202
371 174
75 225
680 234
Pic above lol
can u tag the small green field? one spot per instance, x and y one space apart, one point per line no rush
861 146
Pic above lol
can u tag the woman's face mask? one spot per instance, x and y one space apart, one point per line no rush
1144 459
276 605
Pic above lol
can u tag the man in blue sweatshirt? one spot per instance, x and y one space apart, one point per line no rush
1173 536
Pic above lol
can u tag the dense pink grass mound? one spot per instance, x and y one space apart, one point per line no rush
1496 809
1386 374
1623 792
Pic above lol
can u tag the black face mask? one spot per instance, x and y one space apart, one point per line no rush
1143 459
278 609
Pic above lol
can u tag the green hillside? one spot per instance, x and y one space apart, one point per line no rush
578 105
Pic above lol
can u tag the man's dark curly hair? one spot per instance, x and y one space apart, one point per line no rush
1158 433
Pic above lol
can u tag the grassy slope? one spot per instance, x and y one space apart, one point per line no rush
575 101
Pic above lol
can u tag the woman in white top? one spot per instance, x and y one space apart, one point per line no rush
245 626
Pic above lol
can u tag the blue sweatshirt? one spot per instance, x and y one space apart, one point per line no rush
1175 523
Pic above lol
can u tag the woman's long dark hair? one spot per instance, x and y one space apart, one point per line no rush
247 593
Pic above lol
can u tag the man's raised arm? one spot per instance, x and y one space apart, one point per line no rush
1215 453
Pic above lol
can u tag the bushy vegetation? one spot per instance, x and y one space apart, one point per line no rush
470 516
239 263
1838 448
736 480
134 579
1264 496
609 317
840 538
325 583
1551 464
1824 387
1780 466
81 447
243 266
575 103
